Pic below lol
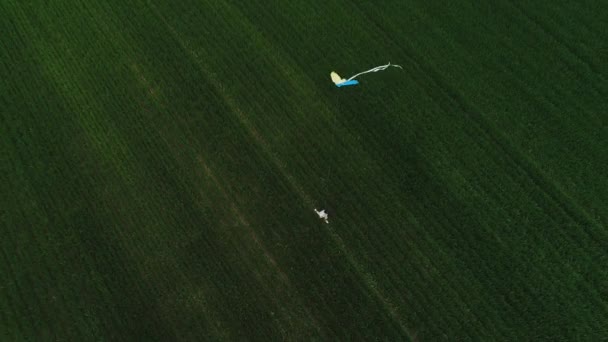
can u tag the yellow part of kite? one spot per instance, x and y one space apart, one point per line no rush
336 78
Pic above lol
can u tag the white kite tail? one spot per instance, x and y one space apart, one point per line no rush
376 69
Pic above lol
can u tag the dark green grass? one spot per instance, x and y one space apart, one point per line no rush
161 160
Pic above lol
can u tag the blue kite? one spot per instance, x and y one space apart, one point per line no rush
341 82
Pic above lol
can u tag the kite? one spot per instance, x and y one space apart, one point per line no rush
341 82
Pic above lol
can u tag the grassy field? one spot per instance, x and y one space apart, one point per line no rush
160 162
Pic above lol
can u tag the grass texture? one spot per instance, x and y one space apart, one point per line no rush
160 162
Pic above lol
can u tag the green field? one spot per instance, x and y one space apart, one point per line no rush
160 162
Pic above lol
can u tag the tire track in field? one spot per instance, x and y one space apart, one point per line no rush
313 87
11 274
265 147
452 284
27 279
452 288
591 27
197 293
209 174
285 67
300 85
555 36
489 137
474 139
177 146
532 97
444 218
545 188
137 255
431 274
125 166
560 205
285 286
570 65
41 241
555 92
53 212
552 192
536 175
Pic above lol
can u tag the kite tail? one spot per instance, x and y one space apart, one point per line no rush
376 69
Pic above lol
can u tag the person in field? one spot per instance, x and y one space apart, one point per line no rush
322 215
